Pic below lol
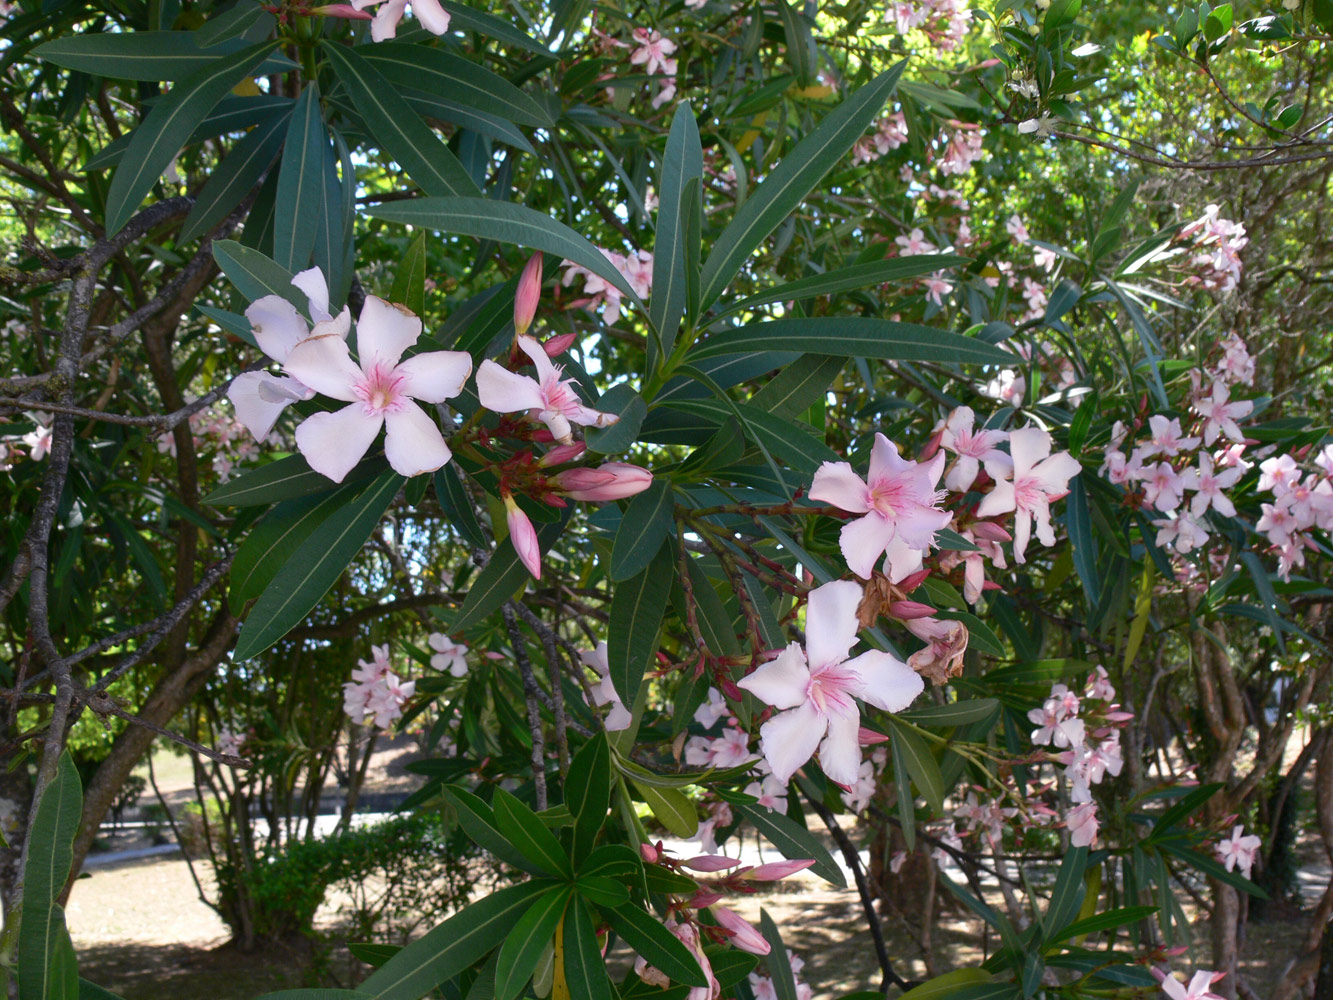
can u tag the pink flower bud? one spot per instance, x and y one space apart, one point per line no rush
991 532
910 583
557 346
561 454
529 293
524 537
344 10
611 481
775 870
868 737
710 863
649 853
907 610
704 899
743 934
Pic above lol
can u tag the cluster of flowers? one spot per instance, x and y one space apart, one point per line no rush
651 51
962 148
944 22
636 266
218 433
1215 244
726 924
382 390
375 695
890 133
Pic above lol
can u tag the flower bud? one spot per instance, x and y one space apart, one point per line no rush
991 532
775 870
611 481
907 610
743 934
557 346
649 853
710 863
910 583
868 737
529 293
561 454
524 537
344 10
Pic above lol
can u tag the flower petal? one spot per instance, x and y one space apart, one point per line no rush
432 16
413 443
540 360
1028 446
782 682
863 540
830 622
435 376
384 330
999 500
840 753
837 483
277 326
886 682
334 442
258 403
324 364
885 462
311 281
503 391
789 739
385 25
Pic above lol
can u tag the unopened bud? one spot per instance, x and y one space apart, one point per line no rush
649 853
610 481
557 346
524 537
743 934
561 454
710 863
910 583
529 293
868 737
775 870
343 10
908 610
991 532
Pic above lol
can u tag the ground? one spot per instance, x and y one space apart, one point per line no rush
142 931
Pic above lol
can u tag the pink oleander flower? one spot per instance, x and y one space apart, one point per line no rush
1162 486
610 481
1045 259
688 935
1278 474
1167 438
1238 851
937 287
814 689
604 693
1220 414
712 709
375 695
433 17
380 389
1182 532
743 934
1208 486
1081 821
899 501
38 441
653 51
1016 228
731 749
449 655
914 243
260 397
1198 988
528 294
547 398
971 446
1038 478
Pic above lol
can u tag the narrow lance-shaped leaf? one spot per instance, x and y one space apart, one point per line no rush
300 183
168 127
682 162
852 337
637 606
791 181
233 179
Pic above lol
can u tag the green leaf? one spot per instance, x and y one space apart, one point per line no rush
169 125
145 55
523 947
529 835
453 946
650 518
409 64
231 114
1060 13
44 951
315 567
790 181
409 280
273 541
397 128
777 961
588 792
943 987
585 969
506 222
1216 869
285 479
682 162
235 176
921 765
845 279
612 861
1068 893
672 808
959 713
659 947
501 578
91 991
797 387
637 607
255 275
465 16
478 822
1218 22
1188 803
316 994
793 841
1107 921
1078 522
244 17
852 337
622 400
801 50
457 505
300 182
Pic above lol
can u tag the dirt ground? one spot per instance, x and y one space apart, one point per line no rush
142 931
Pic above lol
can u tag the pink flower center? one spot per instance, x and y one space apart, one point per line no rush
830 689
381 391
889 498
1028 493
558 395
